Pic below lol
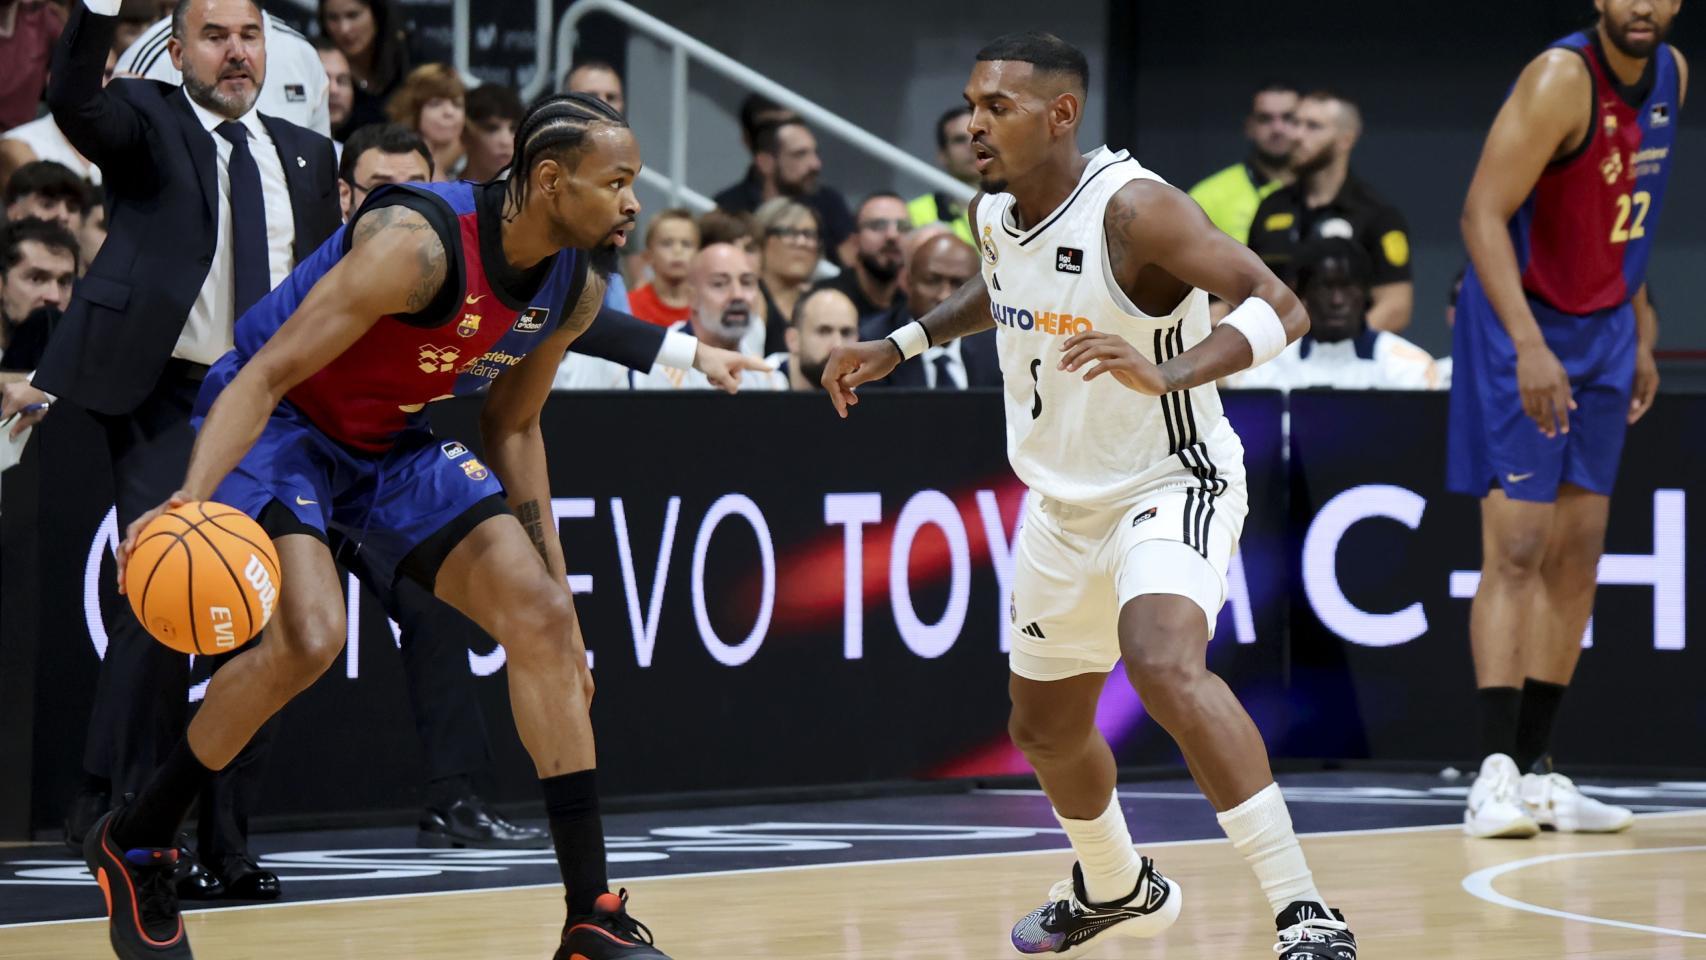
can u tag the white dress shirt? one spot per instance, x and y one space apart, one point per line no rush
1376 360
934 358
207 330
294 87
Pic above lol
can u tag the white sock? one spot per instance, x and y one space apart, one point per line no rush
1105 854
1260 828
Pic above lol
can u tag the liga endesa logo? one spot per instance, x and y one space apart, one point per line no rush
1041 321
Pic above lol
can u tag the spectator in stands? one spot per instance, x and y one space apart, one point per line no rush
825 318
1231 196
47 191
721 226
93 234
377 154
938 267
28 29
340 84
872 280
1327 201
785 163
790 244
432 103
488 139
953 154
134 17
756 111
41 139
672 238
599 79
724 288
1341 351
293 89
38 264
370 33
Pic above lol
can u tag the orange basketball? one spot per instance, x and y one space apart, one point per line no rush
203 578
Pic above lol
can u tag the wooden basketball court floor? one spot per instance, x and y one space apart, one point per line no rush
1411 892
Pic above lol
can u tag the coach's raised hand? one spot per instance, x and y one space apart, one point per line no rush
859 363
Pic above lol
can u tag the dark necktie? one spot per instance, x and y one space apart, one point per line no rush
250 274
944 380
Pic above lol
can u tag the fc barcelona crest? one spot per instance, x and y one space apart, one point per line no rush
469 325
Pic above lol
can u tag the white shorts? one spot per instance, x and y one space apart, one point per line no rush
1074 568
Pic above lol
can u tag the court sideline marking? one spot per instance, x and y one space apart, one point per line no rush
1480 885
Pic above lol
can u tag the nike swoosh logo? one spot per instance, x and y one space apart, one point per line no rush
471 300
303 503
1517 477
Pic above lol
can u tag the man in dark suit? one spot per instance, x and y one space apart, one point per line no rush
938 267
211 206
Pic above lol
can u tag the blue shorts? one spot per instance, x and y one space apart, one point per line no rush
1492 442
385 504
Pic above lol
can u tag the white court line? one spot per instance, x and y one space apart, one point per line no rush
744 871
794 868
1480 884
1302 795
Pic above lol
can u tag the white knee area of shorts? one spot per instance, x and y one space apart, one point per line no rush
1045 669
1169 566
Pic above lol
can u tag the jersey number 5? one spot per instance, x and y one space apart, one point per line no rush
1623 231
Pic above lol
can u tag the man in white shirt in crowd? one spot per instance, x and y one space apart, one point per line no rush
824 319
1341 351
723 286
295 85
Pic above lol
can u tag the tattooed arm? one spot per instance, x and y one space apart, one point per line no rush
1160 240
965 312
509 426
396 264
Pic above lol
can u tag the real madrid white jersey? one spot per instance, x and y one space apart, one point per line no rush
1096 443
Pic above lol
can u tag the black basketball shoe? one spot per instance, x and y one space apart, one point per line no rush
1306 934
609 933
142 899
1069 924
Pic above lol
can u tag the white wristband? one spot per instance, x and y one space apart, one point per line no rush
1260 325
912 339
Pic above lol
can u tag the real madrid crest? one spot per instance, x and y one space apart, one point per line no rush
469 326
990 255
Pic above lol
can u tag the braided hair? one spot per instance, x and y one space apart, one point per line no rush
555 126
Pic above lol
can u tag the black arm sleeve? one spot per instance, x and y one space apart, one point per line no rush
620 338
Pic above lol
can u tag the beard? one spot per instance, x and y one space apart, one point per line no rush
880 269
812 371
604 259
210 97
1279 160
1640 50
803 187
992 184
1315 164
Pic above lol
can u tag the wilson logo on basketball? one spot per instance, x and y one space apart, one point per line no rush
256 573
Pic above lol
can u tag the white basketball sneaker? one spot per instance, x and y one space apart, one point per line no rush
1555 803
1495 802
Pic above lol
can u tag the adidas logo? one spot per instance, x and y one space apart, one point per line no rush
1033 630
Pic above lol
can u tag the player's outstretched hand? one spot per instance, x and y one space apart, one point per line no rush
1545 389
854 364
1646 384
723 367
1112 354
136 527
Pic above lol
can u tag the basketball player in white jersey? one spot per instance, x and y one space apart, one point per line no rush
1096 275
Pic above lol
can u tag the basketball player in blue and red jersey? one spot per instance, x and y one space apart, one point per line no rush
1554 361
315 421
